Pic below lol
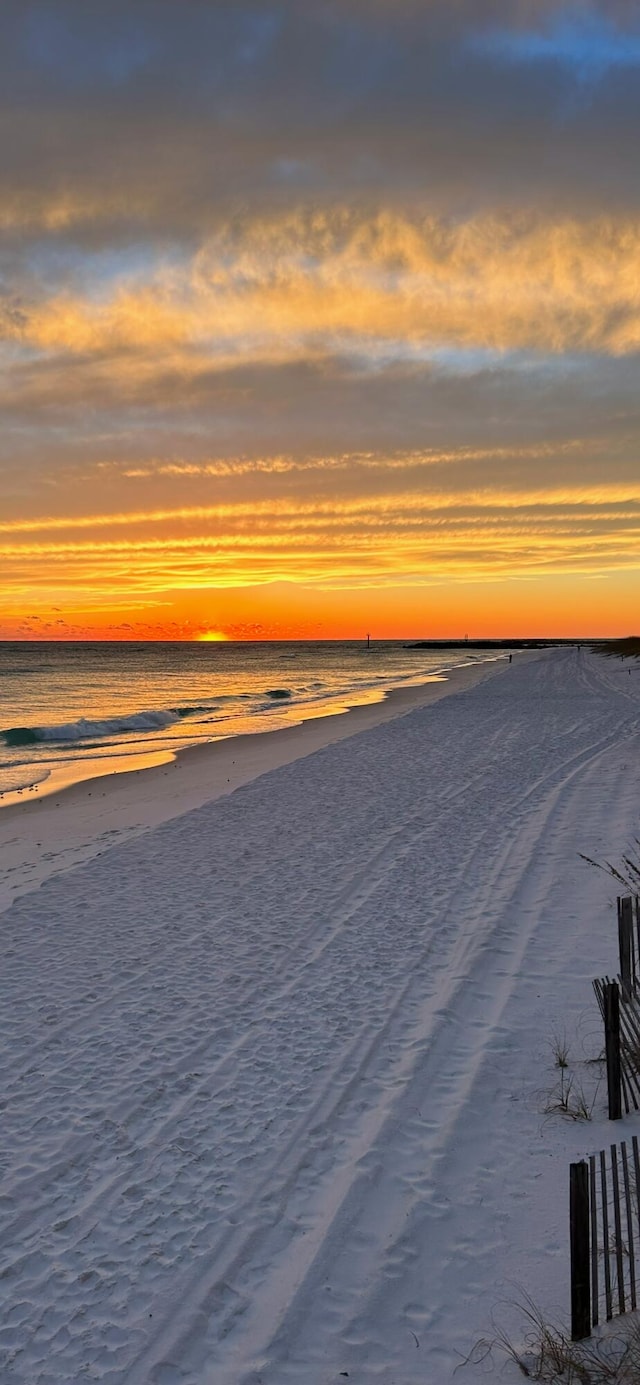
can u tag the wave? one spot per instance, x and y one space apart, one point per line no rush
194 711
84 729
278 694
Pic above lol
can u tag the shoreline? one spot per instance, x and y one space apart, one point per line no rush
103 760
41 835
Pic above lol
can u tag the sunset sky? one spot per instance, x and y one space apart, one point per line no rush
319 318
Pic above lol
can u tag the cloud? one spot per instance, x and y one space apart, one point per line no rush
159 119
365 520
305 428
378 287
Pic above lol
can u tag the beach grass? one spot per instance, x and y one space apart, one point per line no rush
546 1353
627 874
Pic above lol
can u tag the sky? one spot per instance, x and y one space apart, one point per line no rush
319 318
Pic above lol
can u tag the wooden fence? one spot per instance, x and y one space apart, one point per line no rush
605 1236
620 1010
619 1002
629 942
605 1189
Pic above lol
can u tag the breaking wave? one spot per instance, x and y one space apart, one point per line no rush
83 729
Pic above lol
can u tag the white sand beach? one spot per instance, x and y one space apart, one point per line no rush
277 1038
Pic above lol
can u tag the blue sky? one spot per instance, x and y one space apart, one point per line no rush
584 40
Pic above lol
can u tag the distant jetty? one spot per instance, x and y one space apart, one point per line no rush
491 644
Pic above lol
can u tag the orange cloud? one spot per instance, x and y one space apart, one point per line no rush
290 288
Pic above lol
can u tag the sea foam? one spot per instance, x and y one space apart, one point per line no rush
84 728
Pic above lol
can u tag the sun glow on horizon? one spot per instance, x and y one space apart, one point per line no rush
213 636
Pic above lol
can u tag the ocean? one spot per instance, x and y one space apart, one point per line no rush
74 711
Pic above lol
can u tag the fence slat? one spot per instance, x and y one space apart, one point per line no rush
618 1227
630 1244
636 910
636 1166
606 1248
593 1204
580 1258
625 943
612 1043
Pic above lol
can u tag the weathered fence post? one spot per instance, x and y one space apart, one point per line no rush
636 938
593 1208
612 1046
617 1224
625 944
580 1259
628 1203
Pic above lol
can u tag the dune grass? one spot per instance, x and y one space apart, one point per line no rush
546 1353
628 875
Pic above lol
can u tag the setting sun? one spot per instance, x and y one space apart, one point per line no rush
215 635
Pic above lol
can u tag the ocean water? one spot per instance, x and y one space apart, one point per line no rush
73 711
